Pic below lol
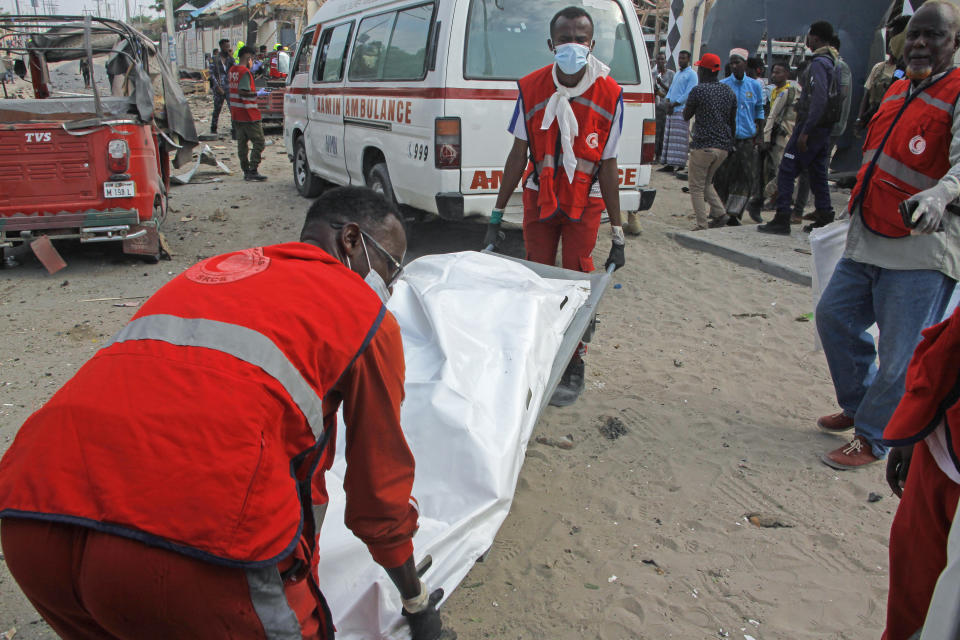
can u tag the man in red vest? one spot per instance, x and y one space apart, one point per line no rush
569 117
895 273
174 487
246 115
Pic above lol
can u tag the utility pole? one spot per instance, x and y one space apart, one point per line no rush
171 38
126 5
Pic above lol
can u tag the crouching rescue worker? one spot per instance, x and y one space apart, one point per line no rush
165 490
246 115
569 116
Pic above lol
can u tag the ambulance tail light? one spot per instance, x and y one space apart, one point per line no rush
648 149
118 156
446 137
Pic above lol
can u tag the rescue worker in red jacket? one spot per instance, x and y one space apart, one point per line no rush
924 469
174 487
569 117
246 115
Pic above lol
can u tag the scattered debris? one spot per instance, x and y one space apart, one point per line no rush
566 442
806 317
112 299
750 315
874 497
204 156
8 634
805 252
126 304
187 219
612 579
618 286
613 428
47 254
677 363
218 216
653 563
767 521
65 283
590 585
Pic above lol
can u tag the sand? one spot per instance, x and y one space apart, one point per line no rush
643 536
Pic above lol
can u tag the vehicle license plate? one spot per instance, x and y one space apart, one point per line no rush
119 189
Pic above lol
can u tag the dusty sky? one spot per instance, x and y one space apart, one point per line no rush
111 8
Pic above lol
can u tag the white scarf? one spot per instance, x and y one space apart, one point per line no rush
559 109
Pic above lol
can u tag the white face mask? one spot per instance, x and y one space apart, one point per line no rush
373 279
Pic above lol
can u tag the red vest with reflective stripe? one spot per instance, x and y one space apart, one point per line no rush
241 109
189 430
907 150
594 110
932 389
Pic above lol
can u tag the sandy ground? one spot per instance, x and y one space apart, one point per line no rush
644 536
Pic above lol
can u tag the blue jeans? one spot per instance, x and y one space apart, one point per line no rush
813 161
902 303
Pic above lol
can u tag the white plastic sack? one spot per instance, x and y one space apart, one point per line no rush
826 246
480 334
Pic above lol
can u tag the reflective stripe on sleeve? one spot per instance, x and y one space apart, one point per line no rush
240 342
533 111
270 602
896 96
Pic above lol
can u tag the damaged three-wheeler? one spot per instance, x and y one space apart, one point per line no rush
91 166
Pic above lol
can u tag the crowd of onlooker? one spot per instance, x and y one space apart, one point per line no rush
750 141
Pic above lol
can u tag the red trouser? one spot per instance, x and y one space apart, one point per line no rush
541 237
95 586
918 543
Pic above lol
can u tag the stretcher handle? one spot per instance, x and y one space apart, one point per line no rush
424 565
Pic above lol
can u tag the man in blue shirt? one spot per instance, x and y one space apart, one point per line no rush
676 137
737 179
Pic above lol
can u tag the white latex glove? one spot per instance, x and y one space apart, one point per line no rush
931 206
262 92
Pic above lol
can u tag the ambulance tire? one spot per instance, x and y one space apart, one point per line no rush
308 185
378 179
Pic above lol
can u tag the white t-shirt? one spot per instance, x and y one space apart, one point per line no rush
518 127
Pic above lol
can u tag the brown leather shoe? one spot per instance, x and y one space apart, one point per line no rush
853 455
836 423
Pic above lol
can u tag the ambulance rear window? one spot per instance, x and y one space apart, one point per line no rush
507 39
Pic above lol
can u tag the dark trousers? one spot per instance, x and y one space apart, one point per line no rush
252 133
803 184
218 102
661 125
813 161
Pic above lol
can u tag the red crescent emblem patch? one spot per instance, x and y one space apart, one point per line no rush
229 267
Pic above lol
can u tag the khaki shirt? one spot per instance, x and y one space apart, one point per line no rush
783 111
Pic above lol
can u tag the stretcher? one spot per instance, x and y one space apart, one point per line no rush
486 339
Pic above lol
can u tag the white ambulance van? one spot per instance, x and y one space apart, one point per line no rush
413 98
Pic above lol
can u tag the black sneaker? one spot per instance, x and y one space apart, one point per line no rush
665 169
571 384
733 221
254 176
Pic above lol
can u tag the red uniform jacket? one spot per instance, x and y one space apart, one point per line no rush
200 426
932 390
242 109
595 110
907 150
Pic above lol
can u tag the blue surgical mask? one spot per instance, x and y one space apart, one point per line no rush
571 57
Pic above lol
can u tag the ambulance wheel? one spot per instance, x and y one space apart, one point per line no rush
378 179
308 185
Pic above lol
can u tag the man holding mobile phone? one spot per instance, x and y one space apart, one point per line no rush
898 276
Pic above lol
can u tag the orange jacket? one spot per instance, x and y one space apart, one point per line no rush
242 109
595 110
199 427
907 150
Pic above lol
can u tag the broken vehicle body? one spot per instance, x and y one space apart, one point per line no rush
93 168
